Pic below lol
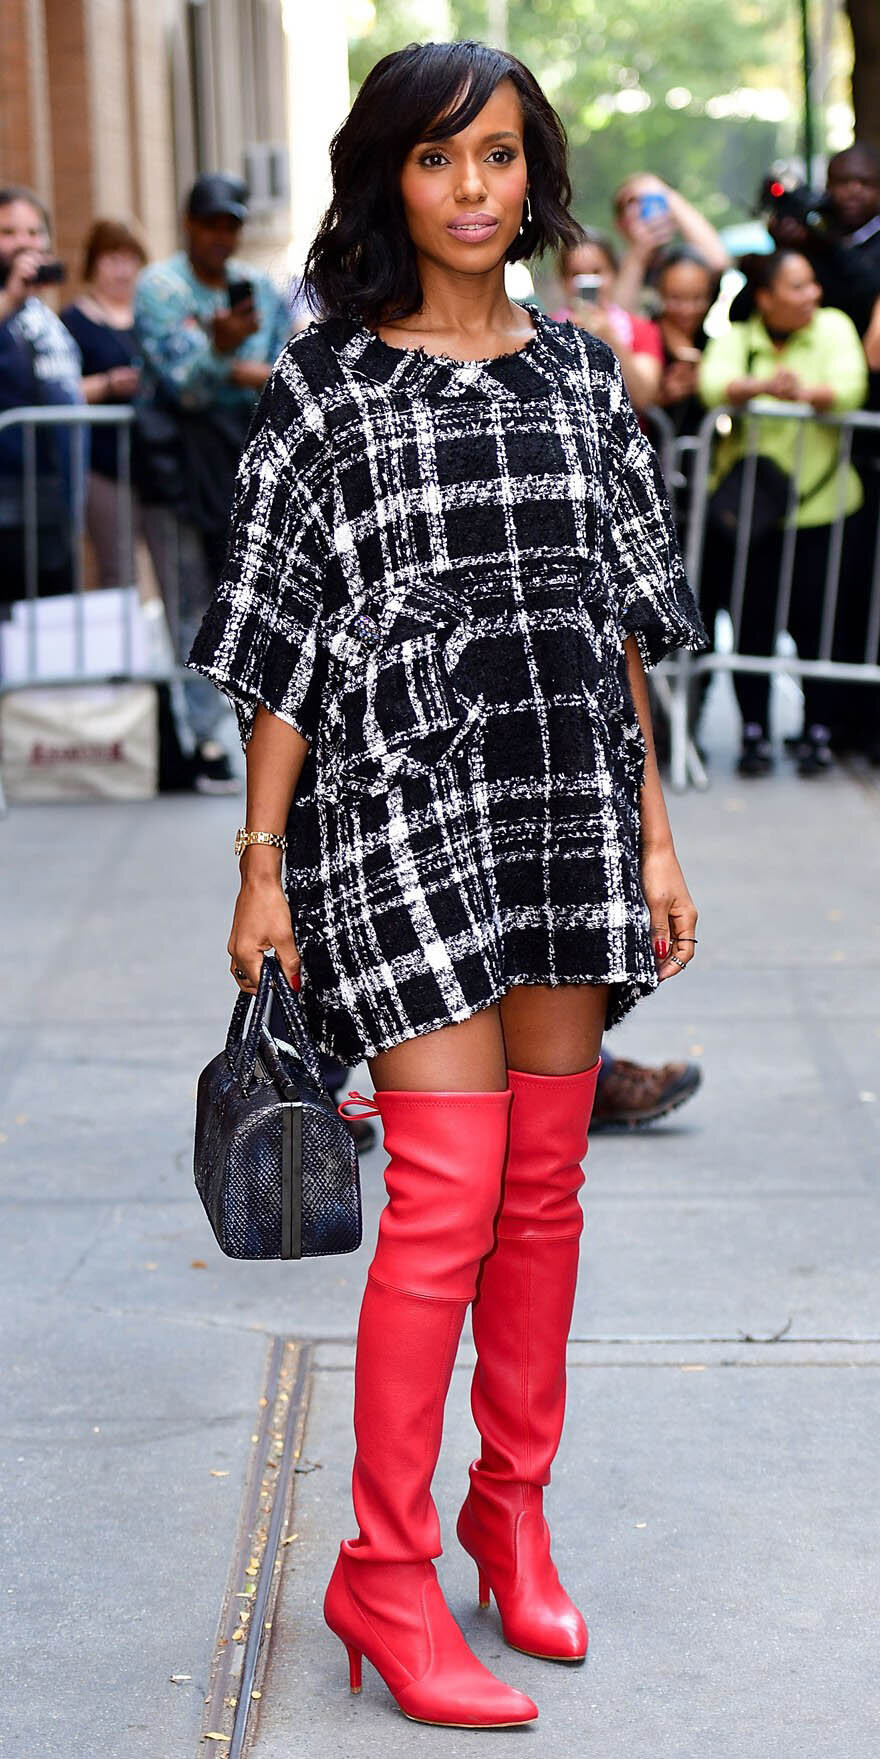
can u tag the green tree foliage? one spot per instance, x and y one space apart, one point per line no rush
586 53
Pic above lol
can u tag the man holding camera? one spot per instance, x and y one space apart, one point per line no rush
210 330
838 232
39 364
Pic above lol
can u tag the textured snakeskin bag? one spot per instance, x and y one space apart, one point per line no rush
275 1166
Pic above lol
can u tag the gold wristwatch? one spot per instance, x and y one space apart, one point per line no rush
243 840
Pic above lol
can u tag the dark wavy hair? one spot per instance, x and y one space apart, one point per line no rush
362 263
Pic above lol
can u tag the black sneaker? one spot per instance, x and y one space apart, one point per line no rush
756 756
814 754
212 771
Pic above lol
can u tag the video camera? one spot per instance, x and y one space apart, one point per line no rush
795 201
50 274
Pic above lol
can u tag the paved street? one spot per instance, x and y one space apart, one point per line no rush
715 1500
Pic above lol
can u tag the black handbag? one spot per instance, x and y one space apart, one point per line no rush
275 1165
772 488
772 494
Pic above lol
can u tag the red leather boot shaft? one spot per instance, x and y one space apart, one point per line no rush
446 1152
521 1319
444 1180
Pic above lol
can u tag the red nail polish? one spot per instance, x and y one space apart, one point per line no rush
661 949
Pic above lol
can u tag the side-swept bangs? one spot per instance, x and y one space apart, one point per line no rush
362 263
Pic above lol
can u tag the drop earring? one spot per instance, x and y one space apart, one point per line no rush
527 216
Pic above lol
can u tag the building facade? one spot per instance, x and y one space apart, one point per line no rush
111 107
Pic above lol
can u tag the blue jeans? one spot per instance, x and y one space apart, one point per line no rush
178 555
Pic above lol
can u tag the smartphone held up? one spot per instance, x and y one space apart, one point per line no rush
240 293
587 288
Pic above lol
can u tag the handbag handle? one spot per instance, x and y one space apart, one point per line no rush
294 1015
243 1047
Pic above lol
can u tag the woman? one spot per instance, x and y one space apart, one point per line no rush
648 213
101 322
587 269
449 554
687 287
793 350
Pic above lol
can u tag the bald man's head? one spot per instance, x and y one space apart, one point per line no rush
854 185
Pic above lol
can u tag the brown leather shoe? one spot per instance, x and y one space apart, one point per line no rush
632 1094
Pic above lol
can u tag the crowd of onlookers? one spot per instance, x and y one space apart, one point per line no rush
804 329
191 340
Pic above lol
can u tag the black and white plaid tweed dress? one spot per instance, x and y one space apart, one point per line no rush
432 569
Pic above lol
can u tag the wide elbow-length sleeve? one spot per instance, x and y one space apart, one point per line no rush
260 638
653 600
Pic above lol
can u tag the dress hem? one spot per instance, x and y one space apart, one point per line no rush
628 991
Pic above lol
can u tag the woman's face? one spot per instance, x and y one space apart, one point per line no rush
21 228
587 259
793 298
463 197
115 274
686 291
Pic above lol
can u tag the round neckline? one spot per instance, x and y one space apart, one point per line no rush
104 322
451 360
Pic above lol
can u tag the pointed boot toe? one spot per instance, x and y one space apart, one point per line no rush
396 1616
514 1563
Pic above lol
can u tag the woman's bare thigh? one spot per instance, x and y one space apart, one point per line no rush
465 1058
538 1029
553 1030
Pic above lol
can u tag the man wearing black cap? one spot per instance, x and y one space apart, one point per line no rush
209 329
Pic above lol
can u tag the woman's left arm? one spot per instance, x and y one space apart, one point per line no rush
673 912
842 365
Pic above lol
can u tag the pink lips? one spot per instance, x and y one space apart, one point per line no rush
473 228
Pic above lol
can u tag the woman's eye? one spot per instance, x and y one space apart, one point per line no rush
433 159
502 155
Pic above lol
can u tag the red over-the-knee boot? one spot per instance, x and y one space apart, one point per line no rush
384 1601
521 1319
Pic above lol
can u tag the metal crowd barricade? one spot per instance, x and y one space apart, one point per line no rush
685 763
670 692
78 418
141 652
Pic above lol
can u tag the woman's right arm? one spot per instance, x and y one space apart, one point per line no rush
276 753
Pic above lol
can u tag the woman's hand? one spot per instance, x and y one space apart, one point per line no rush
679 381
261 920
786 385
596 320
673 912
122 382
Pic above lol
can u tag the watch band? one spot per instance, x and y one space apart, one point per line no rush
243 840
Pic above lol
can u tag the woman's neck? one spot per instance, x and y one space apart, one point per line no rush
117 313
466 316
777 336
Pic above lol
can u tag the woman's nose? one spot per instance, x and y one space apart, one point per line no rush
471 183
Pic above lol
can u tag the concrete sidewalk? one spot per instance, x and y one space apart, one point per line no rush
715 1500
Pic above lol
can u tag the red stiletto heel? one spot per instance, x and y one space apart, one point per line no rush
482 1588
354 1667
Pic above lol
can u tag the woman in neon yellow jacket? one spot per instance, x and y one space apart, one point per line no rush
790 348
